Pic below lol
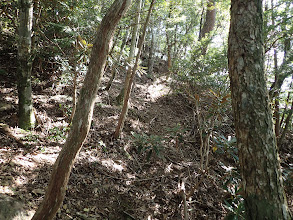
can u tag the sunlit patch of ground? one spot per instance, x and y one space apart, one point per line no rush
158 88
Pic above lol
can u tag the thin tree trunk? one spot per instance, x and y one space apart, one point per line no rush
175 43
168 39
288 118
83 116
169 52
115 42
74 93
263 191
123 114
151 52
131 57
277 103
113 71
287 123
283 70
25 114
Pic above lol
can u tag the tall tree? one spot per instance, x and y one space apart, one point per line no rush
124 111
131 57
25 114
277 103
168 37
113 70
209 24
151 58
83 116
260 168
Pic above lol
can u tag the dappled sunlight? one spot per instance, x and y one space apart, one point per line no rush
45 158
6 190
9 99
131 178
25 162
179 101
112 165
21 180
19 133
158 89
169 168
136 125
60 98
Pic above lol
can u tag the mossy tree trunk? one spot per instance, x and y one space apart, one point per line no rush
260 167
25 113
83 116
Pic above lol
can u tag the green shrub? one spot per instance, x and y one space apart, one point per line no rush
148 143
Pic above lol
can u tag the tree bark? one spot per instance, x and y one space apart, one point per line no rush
113 70
83 116
168 38
264 196
209 24
120 98
26 115
151 52
123 114
287 123
276 72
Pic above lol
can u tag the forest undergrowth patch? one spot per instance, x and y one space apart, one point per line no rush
117 179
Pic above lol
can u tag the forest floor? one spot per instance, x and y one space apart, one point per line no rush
111 179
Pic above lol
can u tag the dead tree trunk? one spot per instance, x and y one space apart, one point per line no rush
84 110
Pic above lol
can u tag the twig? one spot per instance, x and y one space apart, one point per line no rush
129 215
57 45
196 186
151 121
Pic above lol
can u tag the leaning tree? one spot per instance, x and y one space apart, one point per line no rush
83 116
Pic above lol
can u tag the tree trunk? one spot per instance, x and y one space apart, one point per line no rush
276 72
287 124
151 52
74 93
113 70
123 114
131 57
168 38
209 24
84 110
25 114
260 167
